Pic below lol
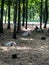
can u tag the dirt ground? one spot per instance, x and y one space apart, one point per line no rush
30 50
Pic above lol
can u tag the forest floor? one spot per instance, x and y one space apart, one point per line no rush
30 50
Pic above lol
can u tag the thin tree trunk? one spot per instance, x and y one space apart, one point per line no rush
33 16
46 13
41 14
23 12
15 17
8 27
1 19
19 24
44 17
26 12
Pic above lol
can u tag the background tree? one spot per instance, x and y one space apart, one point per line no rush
46 13
23 12
15 17
1 18
26 12
8 26
19 24
41 14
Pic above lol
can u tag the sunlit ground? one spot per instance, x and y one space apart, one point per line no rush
17 48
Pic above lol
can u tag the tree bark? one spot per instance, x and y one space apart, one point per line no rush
8 27
26 12
1 18
19 24
15 17
23 12
46 13
41 14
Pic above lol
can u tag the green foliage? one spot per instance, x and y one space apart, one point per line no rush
33 6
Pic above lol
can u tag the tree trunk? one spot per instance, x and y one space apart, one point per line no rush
46 13
33 16
1 19
15 17
44 16
8 27
26 12
23 12
19 24
41 15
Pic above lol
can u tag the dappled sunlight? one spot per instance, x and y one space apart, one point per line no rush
24 29
23 48
26 39
8 48
38 48
43 48
28 29
3 48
